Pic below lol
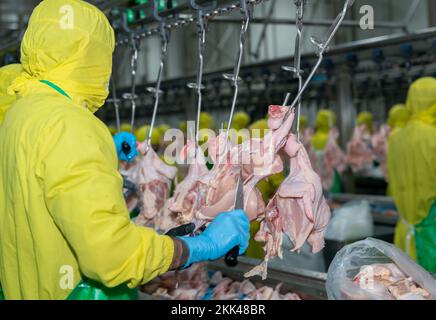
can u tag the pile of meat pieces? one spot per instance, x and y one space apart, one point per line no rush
188 284
388 279
228 289
193 283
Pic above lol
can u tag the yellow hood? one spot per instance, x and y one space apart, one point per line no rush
7 75
365 118
421 100
325 119
69 43
398 116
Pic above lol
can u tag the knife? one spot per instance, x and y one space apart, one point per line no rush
231 257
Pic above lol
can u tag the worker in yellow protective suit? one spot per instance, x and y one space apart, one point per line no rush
365 118
7 75
398 117
65 230
325 120
412 175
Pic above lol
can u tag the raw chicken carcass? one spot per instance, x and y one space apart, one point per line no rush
218 186
331 159
359 154
153 178
189 194
306 140
257 158
166 219
298 209
379 142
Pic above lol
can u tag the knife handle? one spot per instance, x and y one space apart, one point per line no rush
231 258
182 230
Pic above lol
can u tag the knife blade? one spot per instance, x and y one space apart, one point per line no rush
231 257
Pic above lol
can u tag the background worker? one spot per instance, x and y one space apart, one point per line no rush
412 175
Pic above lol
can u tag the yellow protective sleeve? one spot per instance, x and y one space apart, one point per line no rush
83 193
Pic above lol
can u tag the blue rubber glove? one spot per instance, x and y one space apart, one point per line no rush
229 229
125 143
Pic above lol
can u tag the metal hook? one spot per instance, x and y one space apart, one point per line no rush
115 102
201 10
323 47
132 95
247 11
164 35
296 69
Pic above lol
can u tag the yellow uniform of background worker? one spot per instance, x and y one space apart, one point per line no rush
365 118
7 76
412 175
398 117
325 120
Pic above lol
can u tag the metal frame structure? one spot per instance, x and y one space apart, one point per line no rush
182 16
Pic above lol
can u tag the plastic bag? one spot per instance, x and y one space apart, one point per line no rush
349 259
352 221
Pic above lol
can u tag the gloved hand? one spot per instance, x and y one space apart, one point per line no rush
229 229
125 143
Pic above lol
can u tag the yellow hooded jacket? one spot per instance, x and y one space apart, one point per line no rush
325 120
412 162
7 76
61 204
398 117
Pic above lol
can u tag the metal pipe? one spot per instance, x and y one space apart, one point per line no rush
410 13
264 29
320 22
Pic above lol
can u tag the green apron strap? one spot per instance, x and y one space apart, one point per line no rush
52 85
91 290
2 297
337 184
425 240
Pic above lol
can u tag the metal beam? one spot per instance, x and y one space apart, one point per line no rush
326 23
262 37
411 13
